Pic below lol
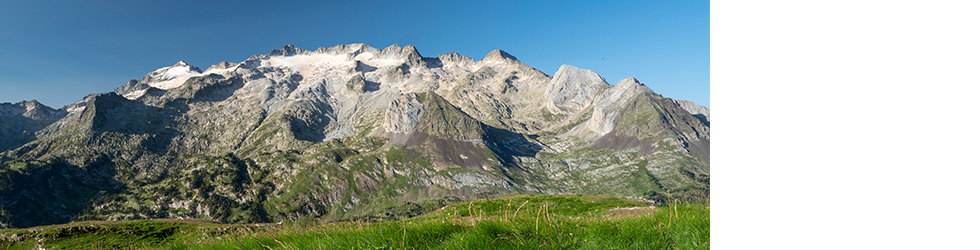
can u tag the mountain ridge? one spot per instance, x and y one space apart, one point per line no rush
347 131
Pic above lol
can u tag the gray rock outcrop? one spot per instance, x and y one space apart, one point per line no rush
701 112
611 101
402 115
572 89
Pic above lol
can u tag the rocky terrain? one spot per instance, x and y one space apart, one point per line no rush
698 111
340 133
19 122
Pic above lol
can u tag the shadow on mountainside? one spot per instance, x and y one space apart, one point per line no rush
111 114
509 145
370 86
216 88
703 119
209 88
53 192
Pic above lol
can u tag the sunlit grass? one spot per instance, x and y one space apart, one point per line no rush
542 222
514 222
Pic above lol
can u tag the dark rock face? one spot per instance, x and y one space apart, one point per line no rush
342 132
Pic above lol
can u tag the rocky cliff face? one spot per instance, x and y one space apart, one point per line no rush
606 112
572 89
698 111
339 132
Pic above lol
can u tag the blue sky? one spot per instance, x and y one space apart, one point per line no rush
59 51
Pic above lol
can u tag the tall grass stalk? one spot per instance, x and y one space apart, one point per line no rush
519 208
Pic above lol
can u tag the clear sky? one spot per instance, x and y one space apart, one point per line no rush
59 51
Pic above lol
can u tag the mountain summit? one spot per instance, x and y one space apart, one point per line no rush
343 132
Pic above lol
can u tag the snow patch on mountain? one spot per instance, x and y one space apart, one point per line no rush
172 76
371 60
305 65
135 94
221 71
310 65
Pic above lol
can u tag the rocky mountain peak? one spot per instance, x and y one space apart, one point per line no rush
30 105
498 55
702 113
19 108
342 49
288 50
222 65
606 111
411 55
33 109
455 58
572 89
393 49
408 54
629 81
356 47
19 121
411 49
170 76
452 59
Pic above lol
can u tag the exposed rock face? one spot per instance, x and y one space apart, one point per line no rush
498 56
403 114
448 61
443 120
340 132
221 65
133 89
611 101
355 86
698 111
572 89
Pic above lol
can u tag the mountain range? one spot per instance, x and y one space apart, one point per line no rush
343 133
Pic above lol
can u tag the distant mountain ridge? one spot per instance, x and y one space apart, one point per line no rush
339 132
698 111
19 122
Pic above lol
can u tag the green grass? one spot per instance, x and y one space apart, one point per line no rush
549 117
146 234
513 222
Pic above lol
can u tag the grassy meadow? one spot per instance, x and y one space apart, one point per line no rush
512 222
